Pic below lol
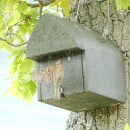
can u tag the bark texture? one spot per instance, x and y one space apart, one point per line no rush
94 15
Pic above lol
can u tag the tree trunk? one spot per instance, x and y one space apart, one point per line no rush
94 16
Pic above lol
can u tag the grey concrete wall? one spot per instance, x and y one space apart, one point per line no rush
94 15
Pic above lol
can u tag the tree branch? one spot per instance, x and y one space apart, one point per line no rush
12 26
11 44
30 5
33 5
47 2
16 24
40 11
43 3
40 2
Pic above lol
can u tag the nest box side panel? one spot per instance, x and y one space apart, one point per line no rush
105 72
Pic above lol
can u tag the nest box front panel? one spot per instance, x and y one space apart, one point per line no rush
72 82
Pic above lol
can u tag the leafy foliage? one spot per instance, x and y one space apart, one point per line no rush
22 86
122 4
64 5
17 21
127 127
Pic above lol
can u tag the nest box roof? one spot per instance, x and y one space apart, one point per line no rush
53 35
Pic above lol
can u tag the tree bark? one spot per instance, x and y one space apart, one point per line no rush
94 16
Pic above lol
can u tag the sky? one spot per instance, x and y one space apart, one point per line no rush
16 114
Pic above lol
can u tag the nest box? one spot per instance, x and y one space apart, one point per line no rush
94 74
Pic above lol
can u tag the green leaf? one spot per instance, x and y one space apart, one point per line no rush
20 38
25 78
32 87
14 89
27 95
64 4
18 20
2 32
5 46
2 44
23 29
122 4
13 69
11 3
6 91
22 7
26 65
127 127
14 66
1 18
3 4
30 91
16 52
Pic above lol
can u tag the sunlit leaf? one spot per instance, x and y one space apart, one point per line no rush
3 3
25 78
1 18
64 4
14 66
6 91
127 127
23 29
122 4
27 95
4 46
11 3
26 65
22 7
